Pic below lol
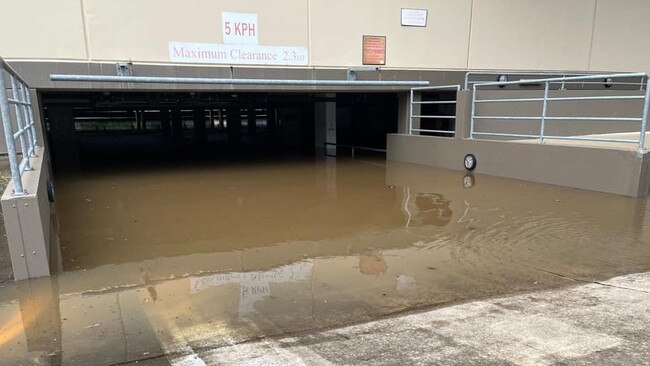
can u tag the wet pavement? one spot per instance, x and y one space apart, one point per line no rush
179 260
603 323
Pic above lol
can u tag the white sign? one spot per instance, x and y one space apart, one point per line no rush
239 28
212 53
414 17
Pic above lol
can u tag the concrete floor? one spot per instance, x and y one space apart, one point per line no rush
599 323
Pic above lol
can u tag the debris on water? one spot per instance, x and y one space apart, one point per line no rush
88 200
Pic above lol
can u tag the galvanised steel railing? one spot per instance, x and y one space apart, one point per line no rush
547 75
23 119
421 116
643 119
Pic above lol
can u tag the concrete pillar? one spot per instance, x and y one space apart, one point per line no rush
177 124
325 124
403 102
251 117
143 120
233 129
271 119
463 114
165 122
200 133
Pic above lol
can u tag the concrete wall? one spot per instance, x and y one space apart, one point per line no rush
594 35
622 172
603 167
33 249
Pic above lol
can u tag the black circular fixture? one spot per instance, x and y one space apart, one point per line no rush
609 82
503 78
468 181
469 162
50 190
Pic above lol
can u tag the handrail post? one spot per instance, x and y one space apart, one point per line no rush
471 121
27 108
9 136
644 119
411 113
543 121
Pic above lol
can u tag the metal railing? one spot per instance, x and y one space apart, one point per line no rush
227 81
352 148
16 93
546 99
643 80
421 116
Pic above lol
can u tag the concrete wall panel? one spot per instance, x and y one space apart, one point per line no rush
621 32
141 30
531 34
337 27
42 29
27 221
622 172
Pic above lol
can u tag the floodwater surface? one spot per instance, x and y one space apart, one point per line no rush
160 262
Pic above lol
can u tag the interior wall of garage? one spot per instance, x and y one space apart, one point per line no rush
594 35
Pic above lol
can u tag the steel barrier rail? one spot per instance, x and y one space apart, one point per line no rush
643 119
226 81
352 147
24 120
641 83
455 88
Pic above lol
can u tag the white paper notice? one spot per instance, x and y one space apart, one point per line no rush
414 17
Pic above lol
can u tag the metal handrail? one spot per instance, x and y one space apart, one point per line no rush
353 147
545 75
421 116
24 120
226 81
545 101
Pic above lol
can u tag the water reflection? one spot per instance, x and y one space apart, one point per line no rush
372 263
253 286
426 209
341 243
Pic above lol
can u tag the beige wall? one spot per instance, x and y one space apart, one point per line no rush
621 34
140 30
337 27
49 29
531 34
475 34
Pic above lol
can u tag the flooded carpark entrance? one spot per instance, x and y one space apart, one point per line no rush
178 243
146 175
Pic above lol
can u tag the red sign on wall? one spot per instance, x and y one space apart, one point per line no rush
374 50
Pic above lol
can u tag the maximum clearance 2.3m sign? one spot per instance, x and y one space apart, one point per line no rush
240 46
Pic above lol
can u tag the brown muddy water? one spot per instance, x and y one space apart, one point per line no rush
167 261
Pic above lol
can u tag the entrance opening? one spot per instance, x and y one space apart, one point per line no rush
121 130
146 175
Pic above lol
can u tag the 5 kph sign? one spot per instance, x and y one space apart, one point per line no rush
239 28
